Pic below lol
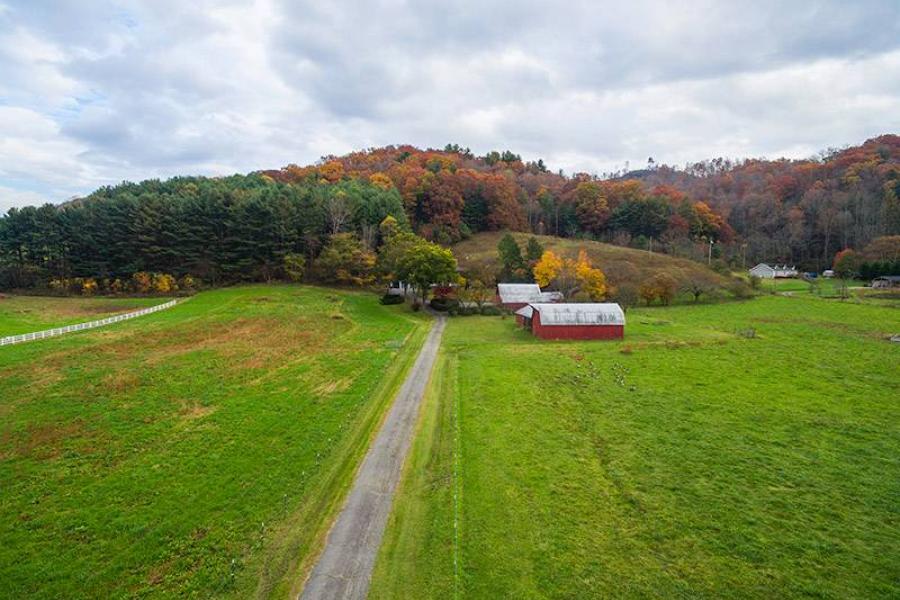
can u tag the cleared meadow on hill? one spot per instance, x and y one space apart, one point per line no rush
198 451
694 459
24 314
621 264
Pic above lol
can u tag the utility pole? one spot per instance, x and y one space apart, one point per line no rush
709 256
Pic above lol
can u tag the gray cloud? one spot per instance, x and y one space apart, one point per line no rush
93 93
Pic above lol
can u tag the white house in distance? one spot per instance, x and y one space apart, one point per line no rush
764 271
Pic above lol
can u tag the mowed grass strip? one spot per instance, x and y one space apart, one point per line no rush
199 451
25 314
733 450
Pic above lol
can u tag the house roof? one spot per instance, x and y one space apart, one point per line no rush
519 292
891 278
525 311
597 313
763 266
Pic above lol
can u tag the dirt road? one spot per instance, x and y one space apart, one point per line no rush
344 569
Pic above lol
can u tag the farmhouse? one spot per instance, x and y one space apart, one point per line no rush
514 296
594 321
886 281
764 271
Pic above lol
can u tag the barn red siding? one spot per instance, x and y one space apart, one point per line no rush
513 306
576 332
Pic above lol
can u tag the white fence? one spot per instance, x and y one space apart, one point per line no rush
39 335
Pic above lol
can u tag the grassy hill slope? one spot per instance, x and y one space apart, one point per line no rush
196 452
621 265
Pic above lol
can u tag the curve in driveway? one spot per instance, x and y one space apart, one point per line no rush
344 569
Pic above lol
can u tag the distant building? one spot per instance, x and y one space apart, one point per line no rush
786 271
886 282
593 321
828 273
514 296
764 271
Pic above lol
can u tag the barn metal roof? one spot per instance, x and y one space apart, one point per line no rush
598 313
519 292
525 311
525 292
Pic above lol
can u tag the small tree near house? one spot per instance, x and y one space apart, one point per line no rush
425 264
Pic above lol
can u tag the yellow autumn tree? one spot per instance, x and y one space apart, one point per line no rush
591 280
571 276
547 268
381 180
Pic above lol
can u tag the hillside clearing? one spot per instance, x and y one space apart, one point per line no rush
620 264
740 449
198 451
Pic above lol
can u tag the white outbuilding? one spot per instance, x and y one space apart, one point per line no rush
516 295
763 271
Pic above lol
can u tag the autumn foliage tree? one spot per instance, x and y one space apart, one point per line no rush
571 276
661 286
345 260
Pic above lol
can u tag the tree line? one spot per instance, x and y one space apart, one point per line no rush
220 230
243 227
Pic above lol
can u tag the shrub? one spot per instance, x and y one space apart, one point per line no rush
661 285
627 295
739 289
443 304
88 286
142 282
388 299
163 283
491 311
188 283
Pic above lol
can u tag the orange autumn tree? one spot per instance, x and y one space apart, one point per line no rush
571 276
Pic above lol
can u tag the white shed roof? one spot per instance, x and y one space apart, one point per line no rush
519 292
599 313
525 311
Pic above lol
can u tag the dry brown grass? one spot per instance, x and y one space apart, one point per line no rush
194 411
621 265
330 387
41 440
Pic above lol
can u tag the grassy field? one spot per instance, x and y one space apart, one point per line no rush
200 451
827 288
24 314
731 450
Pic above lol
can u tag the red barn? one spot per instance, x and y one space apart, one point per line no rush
594 321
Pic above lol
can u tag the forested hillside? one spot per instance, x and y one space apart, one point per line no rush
236 228
241 227
799 211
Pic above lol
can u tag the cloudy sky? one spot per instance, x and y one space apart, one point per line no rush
95 92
